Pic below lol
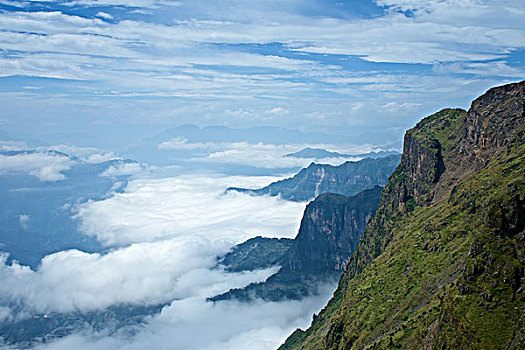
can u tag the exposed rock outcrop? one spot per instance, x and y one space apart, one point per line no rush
330 230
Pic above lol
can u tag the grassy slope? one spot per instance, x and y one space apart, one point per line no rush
256 253
447 276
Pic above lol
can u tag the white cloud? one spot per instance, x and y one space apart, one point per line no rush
128 3
97 158
494 68
182 143
24 219
446 31
395 107
279 111
104 15
145 274
45 166
193 324
151 209
155 268
122 169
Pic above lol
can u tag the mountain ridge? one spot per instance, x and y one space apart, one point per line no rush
319 153
440 264
346 179
316 153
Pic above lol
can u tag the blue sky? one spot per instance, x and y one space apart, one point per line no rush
137 67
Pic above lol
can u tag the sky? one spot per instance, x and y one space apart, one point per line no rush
123 70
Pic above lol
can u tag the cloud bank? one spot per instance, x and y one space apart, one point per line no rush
166 235
141 274
152 209
194 324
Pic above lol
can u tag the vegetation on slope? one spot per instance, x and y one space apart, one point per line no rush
447 273
256 253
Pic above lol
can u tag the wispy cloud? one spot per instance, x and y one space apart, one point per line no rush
263 65
24 219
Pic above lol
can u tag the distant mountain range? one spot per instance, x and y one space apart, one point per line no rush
319 153
197 142
346 179
315 153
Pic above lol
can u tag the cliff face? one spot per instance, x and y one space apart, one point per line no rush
441 262
330 230
347 179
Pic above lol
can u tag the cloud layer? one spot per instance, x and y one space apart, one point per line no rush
260 155
141 274
194 325
168 233
152 209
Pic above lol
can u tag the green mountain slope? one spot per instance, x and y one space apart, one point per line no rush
256 253
440 265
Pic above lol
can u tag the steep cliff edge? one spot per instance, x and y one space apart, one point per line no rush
330 230
441 262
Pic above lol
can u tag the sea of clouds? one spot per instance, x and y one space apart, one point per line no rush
163 237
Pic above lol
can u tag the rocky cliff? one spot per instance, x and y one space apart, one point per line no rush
441 262
347 179
330 230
